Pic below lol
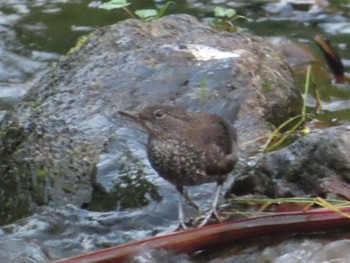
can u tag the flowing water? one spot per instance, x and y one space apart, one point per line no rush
35 33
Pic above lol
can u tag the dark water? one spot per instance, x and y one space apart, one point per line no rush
34 33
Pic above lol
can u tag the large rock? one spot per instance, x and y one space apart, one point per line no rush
64 143
315 165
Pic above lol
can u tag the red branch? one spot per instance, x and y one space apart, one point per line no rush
215 235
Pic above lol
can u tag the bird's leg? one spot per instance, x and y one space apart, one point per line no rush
181 210
188 199
212 211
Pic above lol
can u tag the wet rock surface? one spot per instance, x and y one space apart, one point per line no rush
315 165
64 143
312 249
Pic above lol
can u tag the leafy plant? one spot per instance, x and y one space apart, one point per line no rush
145 15
225 17
114 4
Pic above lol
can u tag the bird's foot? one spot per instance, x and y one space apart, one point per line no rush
187 198
182 225
211 213
190 202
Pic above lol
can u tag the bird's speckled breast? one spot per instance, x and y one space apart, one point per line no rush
178 161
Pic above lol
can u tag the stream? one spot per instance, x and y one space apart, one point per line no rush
33 36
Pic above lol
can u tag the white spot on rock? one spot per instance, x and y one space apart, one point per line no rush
202 52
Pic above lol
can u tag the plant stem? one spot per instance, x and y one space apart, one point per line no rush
129 13
306 91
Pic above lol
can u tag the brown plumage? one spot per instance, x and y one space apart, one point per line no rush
188 148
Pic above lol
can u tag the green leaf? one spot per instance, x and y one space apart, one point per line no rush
224 12
163 9
219 11
230 13
114 4
238 17
146 14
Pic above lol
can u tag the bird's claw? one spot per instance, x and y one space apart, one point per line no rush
182 224
208 216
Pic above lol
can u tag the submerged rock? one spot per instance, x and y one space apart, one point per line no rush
65 143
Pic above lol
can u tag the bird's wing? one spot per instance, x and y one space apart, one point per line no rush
218 140
217 133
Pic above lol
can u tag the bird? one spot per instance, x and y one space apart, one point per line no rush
188 149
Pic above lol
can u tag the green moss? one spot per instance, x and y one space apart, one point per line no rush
8 204
38 195
81 41
37 103
267 86
13 131
131 191
14 208
2 133
68 188
42 175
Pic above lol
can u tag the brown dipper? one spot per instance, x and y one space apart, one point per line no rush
188 148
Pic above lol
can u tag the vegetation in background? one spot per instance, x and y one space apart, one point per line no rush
151 14
224 18
145 15
276 138
116 4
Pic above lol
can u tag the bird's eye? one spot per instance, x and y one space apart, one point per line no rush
158 113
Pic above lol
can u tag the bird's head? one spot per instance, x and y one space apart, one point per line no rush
159 119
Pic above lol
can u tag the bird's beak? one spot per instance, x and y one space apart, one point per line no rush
130 114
